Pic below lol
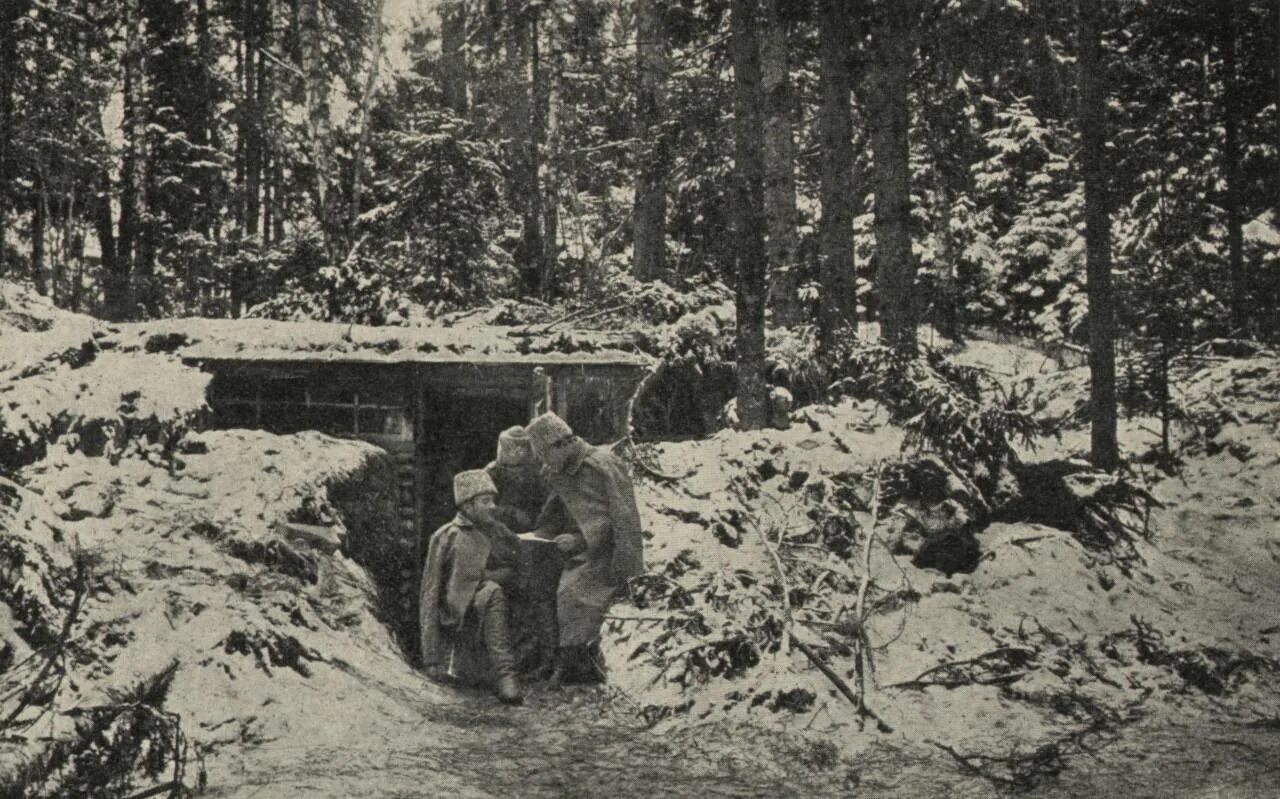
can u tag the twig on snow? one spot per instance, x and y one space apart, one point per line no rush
842 686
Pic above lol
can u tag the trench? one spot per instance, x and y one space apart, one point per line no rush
583 741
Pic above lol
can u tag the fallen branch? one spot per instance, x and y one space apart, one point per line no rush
963 760
922 681
842 686
862 654
581 315
80 585
786 590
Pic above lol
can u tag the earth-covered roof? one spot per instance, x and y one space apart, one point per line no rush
197 339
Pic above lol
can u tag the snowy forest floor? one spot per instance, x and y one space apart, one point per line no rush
1152 675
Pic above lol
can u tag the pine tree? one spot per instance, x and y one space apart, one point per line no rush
780 157
749 212
893 41
837 37
649 227
1227 20
1102 367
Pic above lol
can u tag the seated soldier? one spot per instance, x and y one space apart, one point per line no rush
470 570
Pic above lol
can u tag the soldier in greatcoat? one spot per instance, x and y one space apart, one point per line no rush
470 572
592 518
516 473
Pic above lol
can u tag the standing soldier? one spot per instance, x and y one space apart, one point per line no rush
517 475
592 518
471 568
522 491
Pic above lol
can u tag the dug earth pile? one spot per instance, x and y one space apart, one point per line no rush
185 609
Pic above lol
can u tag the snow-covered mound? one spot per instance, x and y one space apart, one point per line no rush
1045 637
192 562
62 383
230 563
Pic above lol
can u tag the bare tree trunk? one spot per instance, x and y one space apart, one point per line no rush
253 67
115 276
748 137
839 301
779 165
893 42
268 199
649 216
10 12
317 86
278 202
1102 364
39 214
67 226
534 239
118 291
206 130
551 101
523 137
453 55
242 134
1227 12
366 101
77 283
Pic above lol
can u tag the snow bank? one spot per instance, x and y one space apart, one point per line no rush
193 565
63 383
1043 639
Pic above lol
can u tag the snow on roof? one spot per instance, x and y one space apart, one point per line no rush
197 339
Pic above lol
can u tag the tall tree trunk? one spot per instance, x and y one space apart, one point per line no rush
1102 364
39 217
453 55
649 215
535 245
839 300
893 42
268 200
366 102
278 201
253 63
317 86
520 130
204 126
552 103
1231 168
10 12
744 45
115 274
118 292
242 133
77 283
782 218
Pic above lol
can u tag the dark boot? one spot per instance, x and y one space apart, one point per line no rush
502 659
562 659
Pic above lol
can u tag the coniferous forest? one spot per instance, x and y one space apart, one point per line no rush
918 161
930 344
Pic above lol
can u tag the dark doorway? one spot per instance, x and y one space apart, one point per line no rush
460 428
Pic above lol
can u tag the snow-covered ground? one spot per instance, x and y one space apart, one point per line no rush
290 685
